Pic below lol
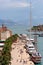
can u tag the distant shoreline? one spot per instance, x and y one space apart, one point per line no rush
37 28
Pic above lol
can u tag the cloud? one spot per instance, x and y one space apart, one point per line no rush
12 4
17 4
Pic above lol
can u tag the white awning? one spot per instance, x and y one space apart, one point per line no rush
1 44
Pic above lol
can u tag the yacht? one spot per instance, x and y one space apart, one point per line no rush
30 48
28 39
36 57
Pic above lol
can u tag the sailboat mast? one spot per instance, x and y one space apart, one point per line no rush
30 17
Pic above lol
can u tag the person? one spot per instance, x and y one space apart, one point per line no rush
38 54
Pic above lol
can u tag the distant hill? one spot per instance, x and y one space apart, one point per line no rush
11 23
7 22
37 28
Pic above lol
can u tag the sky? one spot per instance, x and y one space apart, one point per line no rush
19 11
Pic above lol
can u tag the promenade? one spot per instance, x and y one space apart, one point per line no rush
19 55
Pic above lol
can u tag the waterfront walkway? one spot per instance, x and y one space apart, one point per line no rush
19 55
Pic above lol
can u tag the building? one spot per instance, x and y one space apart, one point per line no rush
4 33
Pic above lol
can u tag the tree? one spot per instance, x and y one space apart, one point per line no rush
5 56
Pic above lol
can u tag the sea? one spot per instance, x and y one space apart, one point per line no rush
40 48
23 29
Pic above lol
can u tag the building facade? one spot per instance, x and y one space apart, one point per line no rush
4 33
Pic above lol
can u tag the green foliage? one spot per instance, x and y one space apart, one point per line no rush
37 28
5 56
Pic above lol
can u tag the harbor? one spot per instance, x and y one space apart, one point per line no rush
23 51
21 46
21 32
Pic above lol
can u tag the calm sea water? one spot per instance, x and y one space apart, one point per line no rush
23 29
40 48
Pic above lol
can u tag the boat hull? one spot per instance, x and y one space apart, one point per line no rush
36 59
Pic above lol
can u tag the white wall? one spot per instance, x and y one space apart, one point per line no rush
5 35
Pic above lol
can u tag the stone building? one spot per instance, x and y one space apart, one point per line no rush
4 33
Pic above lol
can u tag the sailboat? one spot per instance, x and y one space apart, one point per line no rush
36 57
31 39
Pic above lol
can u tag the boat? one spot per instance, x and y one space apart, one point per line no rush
36 57
30 34
30 48
41 35
28 39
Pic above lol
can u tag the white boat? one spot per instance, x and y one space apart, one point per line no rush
23 36
36 57
30 48
28 39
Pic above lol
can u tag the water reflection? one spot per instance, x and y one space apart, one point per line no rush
39 63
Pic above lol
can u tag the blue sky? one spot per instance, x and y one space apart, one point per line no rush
19 11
